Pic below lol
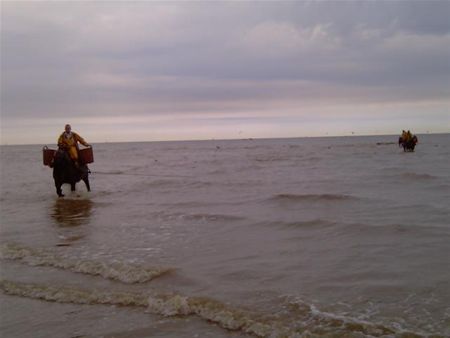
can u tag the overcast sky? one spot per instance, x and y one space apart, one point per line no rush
136 71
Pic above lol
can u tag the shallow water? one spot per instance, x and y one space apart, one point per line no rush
288 237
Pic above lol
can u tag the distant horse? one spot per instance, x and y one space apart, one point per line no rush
65 171
408 145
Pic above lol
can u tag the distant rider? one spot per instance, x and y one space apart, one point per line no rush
404 136
68 141
408 136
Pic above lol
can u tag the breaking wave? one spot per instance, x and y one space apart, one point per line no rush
125 273
306 322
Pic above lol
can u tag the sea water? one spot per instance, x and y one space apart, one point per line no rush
270 238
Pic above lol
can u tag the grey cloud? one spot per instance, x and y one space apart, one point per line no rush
217 53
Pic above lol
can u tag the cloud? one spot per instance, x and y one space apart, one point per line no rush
152 59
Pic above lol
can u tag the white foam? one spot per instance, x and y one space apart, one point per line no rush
123 272
211 310
175 305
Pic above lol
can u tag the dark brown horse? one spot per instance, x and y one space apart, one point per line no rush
408 145
65 171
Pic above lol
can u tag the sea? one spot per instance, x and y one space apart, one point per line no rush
300 237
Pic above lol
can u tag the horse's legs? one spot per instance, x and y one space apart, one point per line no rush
84 170
86 181
58 189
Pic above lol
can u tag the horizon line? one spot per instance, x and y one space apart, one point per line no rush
232 139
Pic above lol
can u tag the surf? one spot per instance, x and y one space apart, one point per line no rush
119 271
307 322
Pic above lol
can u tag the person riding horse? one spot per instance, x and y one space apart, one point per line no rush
68 141
407 140
66 165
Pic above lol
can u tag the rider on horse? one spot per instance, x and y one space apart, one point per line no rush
407 140
68 141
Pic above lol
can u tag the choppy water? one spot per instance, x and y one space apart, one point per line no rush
270 238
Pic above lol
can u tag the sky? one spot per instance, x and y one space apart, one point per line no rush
152 71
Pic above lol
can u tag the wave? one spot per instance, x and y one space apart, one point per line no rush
197 184
189 204
211 217
312 197
272 158
202 217
123 272
312 223
416 176
159 183
302 320
344 323
112 172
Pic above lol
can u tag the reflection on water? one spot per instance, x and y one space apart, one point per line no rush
72 212
69 216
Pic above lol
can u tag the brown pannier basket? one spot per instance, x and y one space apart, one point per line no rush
47 155
86 155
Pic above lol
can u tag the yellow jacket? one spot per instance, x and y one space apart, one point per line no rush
70 143
408 136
